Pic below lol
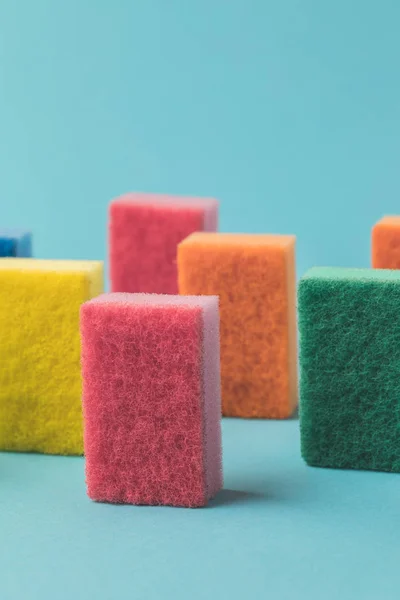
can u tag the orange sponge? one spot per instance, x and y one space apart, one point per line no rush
254 275
386 243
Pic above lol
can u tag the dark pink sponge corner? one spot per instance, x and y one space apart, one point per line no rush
151 398
144 232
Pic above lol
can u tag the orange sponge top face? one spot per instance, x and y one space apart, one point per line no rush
386 243
254 276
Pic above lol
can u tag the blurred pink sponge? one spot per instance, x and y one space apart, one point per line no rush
151 399
144 231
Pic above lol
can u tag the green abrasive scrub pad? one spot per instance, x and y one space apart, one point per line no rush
349 321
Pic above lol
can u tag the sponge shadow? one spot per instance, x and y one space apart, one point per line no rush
229 497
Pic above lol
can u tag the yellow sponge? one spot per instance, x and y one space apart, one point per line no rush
40 381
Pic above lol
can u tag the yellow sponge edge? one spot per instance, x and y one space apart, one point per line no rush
40 378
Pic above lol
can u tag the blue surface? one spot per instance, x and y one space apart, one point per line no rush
289 113
279 530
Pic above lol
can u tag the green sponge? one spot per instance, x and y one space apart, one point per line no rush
349 322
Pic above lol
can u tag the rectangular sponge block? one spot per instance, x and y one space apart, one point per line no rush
151 399
15 243
254 275
40 380
386 243
144 231
349 323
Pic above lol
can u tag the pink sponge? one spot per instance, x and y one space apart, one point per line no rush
151 398
144 231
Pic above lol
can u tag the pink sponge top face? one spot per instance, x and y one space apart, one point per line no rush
151 398
144 231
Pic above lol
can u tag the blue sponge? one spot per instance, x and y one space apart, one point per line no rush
15 242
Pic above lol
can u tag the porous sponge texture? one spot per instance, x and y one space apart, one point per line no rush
151 399
254 276
15 243
40 382
144 231
349 324
386 243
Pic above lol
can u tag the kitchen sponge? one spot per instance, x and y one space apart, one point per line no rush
254 276
386 243
349 323
40 382
144 231
151 399
15 243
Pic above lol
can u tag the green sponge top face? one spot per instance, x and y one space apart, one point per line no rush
342 274
349 322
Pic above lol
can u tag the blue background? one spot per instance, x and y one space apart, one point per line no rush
288 112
